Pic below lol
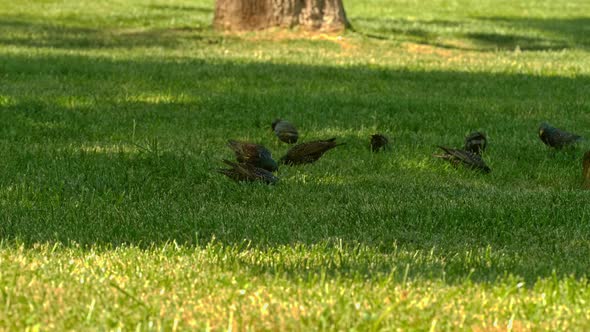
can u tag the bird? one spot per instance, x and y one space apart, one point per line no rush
466 158
309 152
476 142
244 172
557 138
379 141
586 169
254 154
285 131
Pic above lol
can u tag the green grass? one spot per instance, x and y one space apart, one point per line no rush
115 113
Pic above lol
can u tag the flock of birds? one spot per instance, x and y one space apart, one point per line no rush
254 162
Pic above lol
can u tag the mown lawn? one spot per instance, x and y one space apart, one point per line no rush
115 114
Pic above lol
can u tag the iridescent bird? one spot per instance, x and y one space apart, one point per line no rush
285 131
243 172
466 158
378 142
586 169
556 138
309 152
476 142
254 154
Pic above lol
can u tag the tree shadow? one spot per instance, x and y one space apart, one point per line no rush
18 32
484 33
76 173
185 8
572 32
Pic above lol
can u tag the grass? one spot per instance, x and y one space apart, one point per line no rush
115 113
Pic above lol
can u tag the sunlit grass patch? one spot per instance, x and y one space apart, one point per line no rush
115 116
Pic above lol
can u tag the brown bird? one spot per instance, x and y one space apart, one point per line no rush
242 172
555 137
476 142
254 154
309 152
461 157
285 131
379 141
586 169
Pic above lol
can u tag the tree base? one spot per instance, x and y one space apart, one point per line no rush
322 15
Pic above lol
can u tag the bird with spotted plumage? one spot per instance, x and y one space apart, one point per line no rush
476 142
557 138
468 159
244 172
254 154
309 152
379 142
285 131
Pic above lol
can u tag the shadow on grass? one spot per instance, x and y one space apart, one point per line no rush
477 33
186 8
484 33
21 32
72 171
574 32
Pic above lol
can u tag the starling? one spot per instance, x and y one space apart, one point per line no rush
254 154
586 169
556 138
467 158
379 142
476 142
285 131
309 152
243 172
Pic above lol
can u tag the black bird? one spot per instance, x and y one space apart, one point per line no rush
586 169
476 142
461 157
378 142
254 154
556 138
285 131
309 152
243 172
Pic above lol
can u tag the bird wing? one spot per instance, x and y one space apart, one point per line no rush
248 152
466 157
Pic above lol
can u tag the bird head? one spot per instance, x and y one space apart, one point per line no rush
269 164
543 128
274 123
476 142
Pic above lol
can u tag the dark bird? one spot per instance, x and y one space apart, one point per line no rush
467 158
309 152
254 154
476 142
586 169
378 142
556 138
242 172
285 131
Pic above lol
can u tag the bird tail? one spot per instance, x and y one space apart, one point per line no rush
229 163
445 155
225 170
333 139
444 148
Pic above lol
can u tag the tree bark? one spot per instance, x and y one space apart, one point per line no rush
325 15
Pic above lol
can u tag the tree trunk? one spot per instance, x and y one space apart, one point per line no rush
325 15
